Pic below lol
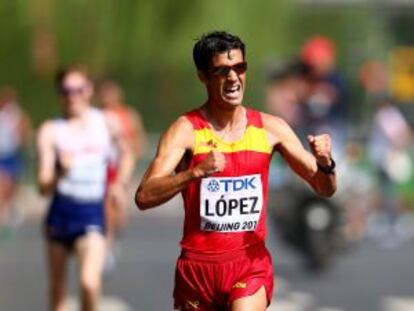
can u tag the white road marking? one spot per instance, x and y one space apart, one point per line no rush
285 299
108 303
294 301
398 304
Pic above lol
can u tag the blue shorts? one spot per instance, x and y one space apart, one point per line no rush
69 219
11 165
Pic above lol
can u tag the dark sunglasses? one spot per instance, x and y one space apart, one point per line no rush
239 68
67 91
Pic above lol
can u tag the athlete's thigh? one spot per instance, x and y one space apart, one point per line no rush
90 250
7 185
255 302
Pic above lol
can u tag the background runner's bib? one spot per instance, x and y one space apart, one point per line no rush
231 204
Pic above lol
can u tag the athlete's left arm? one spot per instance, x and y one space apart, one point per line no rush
139 137
24 129
126 156
310 166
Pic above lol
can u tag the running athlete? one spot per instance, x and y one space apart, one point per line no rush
111 99
218 157
14 131
73 156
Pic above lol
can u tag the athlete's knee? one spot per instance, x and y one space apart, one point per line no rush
60 307
57 291
58 300
90 286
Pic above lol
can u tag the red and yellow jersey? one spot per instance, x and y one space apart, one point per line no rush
227 211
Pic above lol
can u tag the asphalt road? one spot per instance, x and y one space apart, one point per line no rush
365 278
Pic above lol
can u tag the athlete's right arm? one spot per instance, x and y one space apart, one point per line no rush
159 183
46 172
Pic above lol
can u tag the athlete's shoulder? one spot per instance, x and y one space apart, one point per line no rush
196 118
48 125
182 125
276 128
179 134
97 113
272 122
47 130
109 116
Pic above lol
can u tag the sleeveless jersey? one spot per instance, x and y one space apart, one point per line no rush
121 113
227 211
10 118
89 149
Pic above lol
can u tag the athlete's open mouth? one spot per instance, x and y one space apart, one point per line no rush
232 91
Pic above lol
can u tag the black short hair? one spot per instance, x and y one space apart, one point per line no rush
212 43
64 71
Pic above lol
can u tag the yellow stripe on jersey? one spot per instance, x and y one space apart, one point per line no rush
254 139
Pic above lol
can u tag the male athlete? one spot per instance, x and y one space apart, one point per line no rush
73 156
111 100
14 132
218 157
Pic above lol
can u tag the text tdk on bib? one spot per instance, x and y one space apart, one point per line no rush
231 204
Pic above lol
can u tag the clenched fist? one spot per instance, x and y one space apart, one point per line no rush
213 163
65 162
321 148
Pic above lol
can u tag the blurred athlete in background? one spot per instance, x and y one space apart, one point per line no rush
14 131
73 153
111 99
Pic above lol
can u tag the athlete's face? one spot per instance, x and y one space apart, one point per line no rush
109 96
226 78
76 91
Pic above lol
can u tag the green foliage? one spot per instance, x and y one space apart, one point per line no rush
147 45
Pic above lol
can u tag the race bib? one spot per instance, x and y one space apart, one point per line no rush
231 204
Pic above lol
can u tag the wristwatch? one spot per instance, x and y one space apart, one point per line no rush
329 170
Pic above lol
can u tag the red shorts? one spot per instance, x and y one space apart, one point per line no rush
212 282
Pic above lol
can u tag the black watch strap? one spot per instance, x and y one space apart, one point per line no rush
327 169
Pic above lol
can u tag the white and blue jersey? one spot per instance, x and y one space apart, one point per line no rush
77 205
10 140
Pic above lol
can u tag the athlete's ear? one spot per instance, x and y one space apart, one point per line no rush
202 76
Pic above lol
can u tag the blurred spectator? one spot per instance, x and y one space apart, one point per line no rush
288 87
389 145
111 99
356 195
310 94
374 78
325 107
14 130
389 141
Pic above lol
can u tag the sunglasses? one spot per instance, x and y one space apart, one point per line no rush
68 91
223 71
